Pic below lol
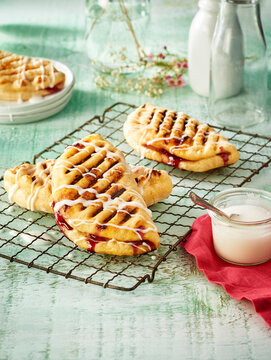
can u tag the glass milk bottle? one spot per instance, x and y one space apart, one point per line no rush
199 45
238 72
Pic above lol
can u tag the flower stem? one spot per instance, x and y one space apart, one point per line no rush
129 23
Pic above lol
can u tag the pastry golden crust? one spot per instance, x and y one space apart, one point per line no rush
22 77
35 192
29 185
95 194
176 139
155 185
105 245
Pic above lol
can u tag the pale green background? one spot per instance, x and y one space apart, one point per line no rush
179 316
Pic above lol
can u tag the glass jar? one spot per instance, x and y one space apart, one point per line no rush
246 238
115 33
238 70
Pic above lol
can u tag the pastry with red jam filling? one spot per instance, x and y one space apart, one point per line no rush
97 203
30 185
22 77
176 139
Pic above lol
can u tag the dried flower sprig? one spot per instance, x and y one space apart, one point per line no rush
154 73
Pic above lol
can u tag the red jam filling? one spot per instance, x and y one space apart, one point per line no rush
224 155
172 160
93 240
54 89
60 221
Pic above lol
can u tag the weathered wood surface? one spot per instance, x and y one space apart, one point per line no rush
179 316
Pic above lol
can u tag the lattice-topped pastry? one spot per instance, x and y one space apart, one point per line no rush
30 185
23 77
176 139
97 203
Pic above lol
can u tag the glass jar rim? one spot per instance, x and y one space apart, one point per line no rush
235 191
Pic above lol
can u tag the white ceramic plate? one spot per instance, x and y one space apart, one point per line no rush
36 115
13 107
42 108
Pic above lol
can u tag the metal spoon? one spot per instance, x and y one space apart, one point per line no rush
201 202
232 217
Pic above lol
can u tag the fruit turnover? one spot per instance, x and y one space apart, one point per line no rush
176 139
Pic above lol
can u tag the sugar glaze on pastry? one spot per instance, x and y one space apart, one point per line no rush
30 185
35 192
176 139
97 203
23 77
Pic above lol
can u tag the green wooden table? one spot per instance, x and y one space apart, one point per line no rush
180 315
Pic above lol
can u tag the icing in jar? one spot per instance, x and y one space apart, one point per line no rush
246 238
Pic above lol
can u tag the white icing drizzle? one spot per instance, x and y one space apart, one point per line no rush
36 185
21 75
137 231
76 168
22 62
12 191
97 149
34 193
39 62
109 202
150 142
143 129
42 239
143 151
52 82
19 100
102 199
11 209
147 171
138 215
42 74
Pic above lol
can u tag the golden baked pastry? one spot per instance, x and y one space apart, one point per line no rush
30 185
176 139
154 185
23 77
96 200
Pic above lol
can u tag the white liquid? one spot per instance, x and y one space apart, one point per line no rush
248 212
245 244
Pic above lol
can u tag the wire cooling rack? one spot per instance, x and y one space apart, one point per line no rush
33 239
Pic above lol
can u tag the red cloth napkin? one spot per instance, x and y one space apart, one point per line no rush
241 282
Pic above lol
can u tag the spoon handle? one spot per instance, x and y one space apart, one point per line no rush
201 202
